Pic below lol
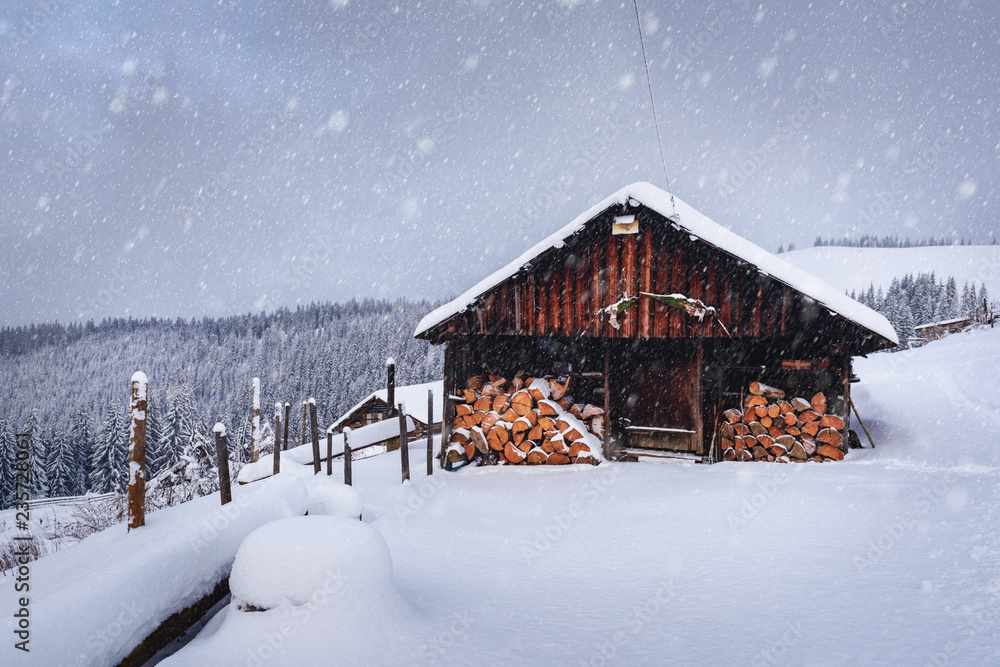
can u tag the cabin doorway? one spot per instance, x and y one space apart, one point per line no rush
657 390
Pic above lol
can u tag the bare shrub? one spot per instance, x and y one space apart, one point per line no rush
94 516
11 551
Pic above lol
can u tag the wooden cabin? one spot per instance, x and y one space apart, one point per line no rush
374 408
589 303
936 330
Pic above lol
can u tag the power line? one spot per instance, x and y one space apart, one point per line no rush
656 122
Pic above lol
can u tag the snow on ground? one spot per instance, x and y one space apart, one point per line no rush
93 602
890 557
856 268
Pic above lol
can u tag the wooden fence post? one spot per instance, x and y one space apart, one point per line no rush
347 455
277 438
288 419
305 418
222 453
137 453
390 366
255 423
404 448
314 432
329 451
430 432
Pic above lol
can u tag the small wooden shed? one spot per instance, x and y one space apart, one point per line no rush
935 330
660 315
374 408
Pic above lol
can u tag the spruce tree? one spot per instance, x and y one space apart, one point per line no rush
8 459
61 469
154 433
108 462
38 482
82 437
951 305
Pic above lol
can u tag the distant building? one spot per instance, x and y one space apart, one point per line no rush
935 330
375 408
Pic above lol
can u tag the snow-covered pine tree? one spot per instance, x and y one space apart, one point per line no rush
193 475
905 328
240 445
108 461
173 428
8 458
82 437
951 303
154 432
38 483
973 301
62 464
38 469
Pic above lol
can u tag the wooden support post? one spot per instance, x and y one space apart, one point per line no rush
305 420
222 454
447 409
607 400
347 455
137 453
277 438
288 419
255 423
699 407
404 449
430 432
847 401
390 365
860 421
314 433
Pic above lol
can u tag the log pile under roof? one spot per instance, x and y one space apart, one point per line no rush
770 428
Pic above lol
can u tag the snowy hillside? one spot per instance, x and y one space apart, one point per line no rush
856 268
890 557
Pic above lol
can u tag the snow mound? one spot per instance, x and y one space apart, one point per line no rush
335 499
296 560
95 601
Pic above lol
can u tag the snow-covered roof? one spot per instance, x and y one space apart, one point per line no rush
413 397
944 323
691 222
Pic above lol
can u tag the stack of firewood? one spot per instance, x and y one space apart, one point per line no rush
770 428
524 421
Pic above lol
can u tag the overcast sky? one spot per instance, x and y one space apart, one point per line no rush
215 157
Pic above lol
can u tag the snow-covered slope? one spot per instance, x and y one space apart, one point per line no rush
857 268
891 557
93 602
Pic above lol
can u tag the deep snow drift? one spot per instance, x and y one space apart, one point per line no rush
93 602
890 557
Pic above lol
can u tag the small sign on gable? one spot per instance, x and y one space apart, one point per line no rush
625 224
